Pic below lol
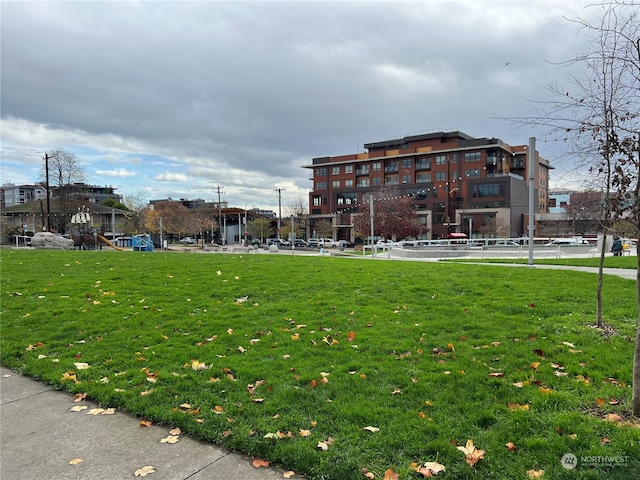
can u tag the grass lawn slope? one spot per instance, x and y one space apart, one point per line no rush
328 366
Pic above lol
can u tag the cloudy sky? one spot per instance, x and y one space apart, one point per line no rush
176 98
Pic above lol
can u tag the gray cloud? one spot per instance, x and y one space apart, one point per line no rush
251 90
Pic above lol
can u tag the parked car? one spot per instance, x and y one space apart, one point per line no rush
280 242
344 244
313 242
187 241
565 241
327 243
298 242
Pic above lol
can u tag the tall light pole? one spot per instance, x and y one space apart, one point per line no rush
279 190
218 188
46 172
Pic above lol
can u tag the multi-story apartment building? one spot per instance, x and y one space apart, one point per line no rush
458 183
11 195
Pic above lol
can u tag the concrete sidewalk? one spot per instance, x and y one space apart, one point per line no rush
39 436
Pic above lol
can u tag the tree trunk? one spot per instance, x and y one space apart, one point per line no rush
635 400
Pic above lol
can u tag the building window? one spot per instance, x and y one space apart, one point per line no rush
423 164
321 185
552 203
441 159
472 156
423 178
377 181
363 182
348 183
406 178
489 190
435 192
321 172
335 170
406 162
335 184
377 166
454 175
391 180
348 169
441 176
362 170
317 201
417 193
347 198
474 172
392 167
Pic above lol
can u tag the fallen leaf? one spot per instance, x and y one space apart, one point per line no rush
144 471
95 411
535 473
305 433
473 455
78 408
390 475
170 439
496 374
175 431
510 446
145 423
75 461
288 474
372 429
613 417
78 397
257 463
517 406
323 446
535 365
368 474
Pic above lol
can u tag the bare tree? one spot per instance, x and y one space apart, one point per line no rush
598 116
64 170
136 202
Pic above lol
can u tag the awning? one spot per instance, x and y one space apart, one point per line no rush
457 235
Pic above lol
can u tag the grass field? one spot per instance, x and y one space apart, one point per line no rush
327 366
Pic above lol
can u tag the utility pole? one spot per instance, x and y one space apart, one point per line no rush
46 172
219 188
280 190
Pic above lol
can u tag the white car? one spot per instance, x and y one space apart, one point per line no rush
327 243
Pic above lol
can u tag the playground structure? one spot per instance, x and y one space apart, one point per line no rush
142 243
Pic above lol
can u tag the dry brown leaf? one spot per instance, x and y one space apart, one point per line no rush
95 411
144 471
510 446
257 463
323 446
175 431
288 474
75 461
78 408
218 409
613 417
305 433
372 429
473 455
391 475
145 423
78 397
81 365
517 406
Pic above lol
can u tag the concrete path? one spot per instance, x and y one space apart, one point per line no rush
40 436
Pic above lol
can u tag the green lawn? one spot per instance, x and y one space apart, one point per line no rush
273 354
609 261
